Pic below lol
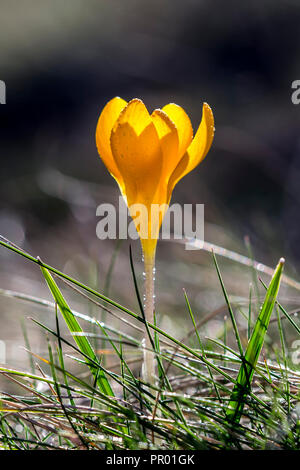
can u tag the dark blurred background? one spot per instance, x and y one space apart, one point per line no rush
63 60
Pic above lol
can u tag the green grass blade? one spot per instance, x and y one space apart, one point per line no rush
285 313
233 320
74 327
254 347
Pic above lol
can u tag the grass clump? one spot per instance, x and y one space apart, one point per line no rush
211 393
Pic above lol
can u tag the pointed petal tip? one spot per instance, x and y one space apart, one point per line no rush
207 109
116 98
135 114
175 104
164 117
136 100
209 115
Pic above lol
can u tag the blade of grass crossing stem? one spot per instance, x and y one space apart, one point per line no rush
242 386
161 373
74 327
140 304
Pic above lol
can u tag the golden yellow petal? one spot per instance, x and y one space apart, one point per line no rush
197 150
202 141
169 142
183 125
168 136
136 149
106 121
136 115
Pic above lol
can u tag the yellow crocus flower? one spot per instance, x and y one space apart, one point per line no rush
147 155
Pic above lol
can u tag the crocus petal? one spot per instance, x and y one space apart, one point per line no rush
106 121
202 141
135 114
169 141
137 152
183 125
197 150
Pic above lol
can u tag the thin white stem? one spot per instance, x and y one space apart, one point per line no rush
149 356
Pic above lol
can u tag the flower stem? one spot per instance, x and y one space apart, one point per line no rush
149 355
